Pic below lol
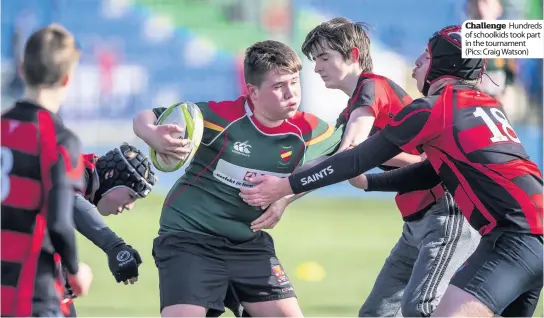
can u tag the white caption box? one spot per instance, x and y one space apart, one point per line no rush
511 39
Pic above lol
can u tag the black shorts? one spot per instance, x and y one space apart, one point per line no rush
199 269
504 273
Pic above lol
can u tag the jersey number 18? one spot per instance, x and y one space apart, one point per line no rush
498 136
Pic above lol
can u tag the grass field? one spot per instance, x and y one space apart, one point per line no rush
349 239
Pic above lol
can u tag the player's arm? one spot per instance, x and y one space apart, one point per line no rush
66 176
364 109
418 176
403 159
405 131
358 127
159 137
90 224
321 142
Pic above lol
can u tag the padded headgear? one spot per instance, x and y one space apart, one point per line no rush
125 166
445 50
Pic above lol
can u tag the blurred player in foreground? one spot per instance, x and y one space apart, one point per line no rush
42 166
113 183
471 148
205 225
436 239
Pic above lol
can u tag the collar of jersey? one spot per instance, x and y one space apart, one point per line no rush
281 129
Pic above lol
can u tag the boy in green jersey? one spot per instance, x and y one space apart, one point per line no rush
205 244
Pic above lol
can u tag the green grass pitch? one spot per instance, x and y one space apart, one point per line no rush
349 239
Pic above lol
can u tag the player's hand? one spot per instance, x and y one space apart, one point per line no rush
267 190
123 262
271 216
81 281
161 140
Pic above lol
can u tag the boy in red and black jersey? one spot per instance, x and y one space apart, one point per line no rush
435 238
41 168
473 150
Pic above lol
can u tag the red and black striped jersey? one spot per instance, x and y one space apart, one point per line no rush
385 98
41 168
478 156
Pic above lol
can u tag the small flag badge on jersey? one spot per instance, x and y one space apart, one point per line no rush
285 155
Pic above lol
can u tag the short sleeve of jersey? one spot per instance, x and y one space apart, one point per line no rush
365 95
409 128
321 140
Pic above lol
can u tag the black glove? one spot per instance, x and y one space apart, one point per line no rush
123 261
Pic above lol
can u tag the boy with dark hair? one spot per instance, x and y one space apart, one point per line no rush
205 245
474 151
435 238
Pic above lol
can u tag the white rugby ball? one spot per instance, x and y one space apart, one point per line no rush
187 115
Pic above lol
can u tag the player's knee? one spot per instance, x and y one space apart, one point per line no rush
287 307
459 303
183 310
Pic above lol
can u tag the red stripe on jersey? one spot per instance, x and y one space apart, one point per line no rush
284 128
463 202
472 197
532 215
14 252
9 295
90 161
28 272
25 141
24 193
471 98
76 172
406 99
476 138
225 141
412 202
515 168
397 123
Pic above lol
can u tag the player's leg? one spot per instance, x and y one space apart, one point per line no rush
260 281
445 241
524 306
504 267
386 295
192 274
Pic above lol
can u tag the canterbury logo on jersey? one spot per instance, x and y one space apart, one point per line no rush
318 175
242 148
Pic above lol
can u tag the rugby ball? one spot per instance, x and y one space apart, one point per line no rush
188 116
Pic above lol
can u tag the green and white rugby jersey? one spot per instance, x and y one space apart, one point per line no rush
235 147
